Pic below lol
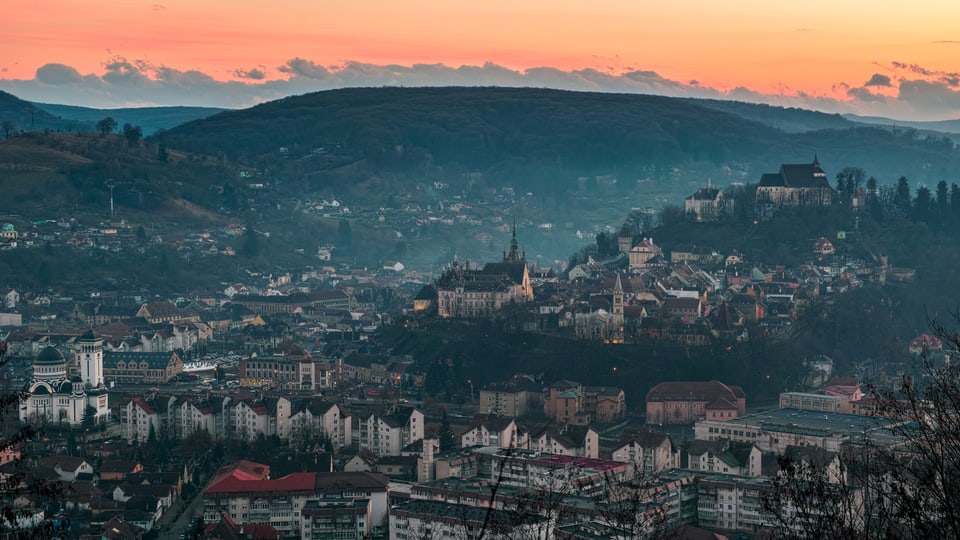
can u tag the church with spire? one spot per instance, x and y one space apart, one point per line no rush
464 292
54 395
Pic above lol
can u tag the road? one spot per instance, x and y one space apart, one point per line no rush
173 524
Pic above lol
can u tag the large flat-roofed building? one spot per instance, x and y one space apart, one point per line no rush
774 431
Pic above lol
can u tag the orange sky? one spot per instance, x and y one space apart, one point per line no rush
767 46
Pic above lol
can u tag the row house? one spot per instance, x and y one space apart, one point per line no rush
387 434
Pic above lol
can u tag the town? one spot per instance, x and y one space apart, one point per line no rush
279 406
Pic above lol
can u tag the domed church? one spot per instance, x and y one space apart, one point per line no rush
53 396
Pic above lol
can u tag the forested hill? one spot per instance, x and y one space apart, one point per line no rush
542 137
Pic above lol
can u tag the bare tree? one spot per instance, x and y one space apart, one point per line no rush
15 479
906 486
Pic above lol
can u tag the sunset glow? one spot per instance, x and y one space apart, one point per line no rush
814 48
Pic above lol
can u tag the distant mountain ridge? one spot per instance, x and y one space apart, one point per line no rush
944 126
150 119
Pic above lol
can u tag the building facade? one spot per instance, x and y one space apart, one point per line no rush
463 292
54 396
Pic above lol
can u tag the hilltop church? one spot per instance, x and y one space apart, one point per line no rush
465 292
54 396
803 184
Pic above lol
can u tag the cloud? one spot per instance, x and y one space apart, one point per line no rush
865 95
878 79
256 74
298 67
929 96
118 70
58 74
910 91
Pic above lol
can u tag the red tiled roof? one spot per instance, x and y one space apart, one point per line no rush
290 482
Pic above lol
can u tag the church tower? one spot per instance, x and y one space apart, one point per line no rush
618 303
514 255
90 351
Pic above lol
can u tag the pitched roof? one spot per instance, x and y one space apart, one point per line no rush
701 391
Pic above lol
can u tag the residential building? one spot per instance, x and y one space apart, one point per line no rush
322 519
252 498
68 468
707 204
567 440
642 253
493 430
650 451
314 417
261 416
437 520
386 433
724 456
505 399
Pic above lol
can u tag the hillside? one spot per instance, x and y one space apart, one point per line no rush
48 174
150 119
787 119
26 116
545 139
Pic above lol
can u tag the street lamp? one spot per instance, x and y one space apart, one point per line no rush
470 382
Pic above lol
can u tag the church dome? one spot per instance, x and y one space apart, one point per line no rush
49 356
88 336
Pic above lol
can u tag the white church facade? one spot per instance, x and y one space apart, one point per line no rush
53 396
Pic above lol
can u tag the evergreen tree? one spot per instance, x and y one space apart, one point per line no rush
922 205
901 197
942 212
89 420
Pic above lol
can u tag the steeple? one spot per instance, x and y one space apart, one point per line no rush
514 255
618 304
